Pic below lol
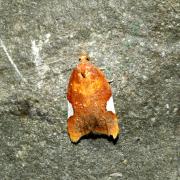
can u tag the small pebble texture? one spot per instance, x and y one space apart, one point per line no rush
136 42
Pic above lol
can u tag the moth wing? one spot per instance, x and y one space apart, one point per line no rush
70 109
110 105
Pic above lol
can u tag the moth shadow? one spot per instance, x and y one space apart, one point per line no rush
94 136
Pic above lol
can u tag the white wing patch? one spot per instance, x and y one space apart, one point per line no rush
110 105
70 109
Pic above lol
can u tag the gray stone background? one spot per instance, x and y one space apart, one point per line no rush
137 42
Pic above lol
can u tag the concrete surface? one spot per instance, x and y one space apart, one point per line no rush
138 44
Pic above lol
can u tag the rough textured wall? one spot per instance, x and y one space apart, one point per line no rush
138 44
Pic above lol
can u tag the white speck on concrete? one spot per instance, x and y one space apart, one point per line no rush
175 110
167 106
142 43
144 77
153 119
47 36
116 175
163 54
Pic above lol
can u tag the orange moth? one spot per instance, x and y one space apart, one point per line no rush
90 102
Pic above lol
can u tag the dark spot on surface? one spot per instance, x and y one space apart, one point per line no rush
21 108
138 139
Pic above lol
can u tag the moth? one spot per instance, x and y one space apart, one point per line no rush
90 103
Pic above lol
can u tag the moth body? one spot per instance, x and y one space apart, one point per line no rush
90 103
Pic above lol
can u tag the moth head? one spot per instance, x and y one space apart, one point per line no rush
84 57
